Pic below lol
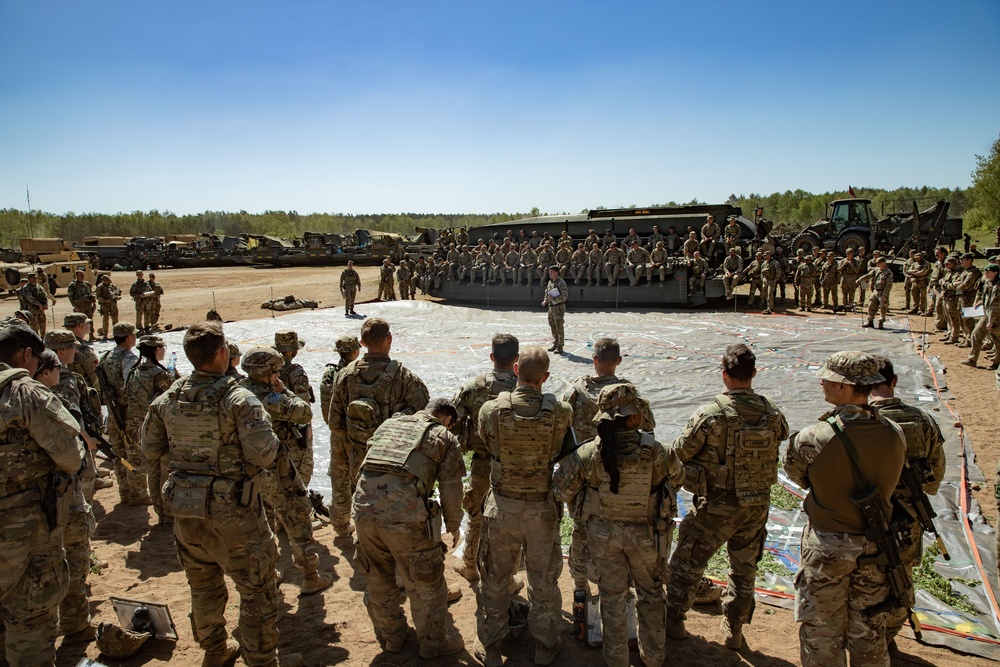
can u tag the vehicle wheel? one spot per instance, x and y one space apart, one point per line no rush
852 241
805 241
136 265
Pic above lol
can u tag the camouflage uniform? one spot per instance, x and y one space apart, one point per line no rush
614 259
86 359
154 304
850 269
295 380
638 263
629 529
595 267
918 273
557 312
36 302
830 279
753 278
805 276
107 301
881 287
729 448
770 270
732 267
923 441
697 275
147 381
217 435
832 591
580 266
132 484
366 392
38 440
468 402
545 258
386 282
524 432
405 278
81 296
988 326
966 290
136 291
658 260
529 261
397 533
350 285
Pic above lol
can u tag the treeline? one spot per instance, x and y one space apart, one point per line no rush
789 210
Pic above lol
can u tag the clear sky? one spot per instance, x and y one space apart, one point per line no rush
364 107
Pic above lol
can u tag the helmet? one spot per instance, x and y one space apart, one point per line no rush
262 360
116 642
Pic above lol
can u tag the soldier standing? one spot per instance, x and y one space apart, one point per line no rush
36 302
908 279
468 402
350 285
829 279
769 273
108 296
115 366
139 291
386 286
918 273
405 277
524 431
628 483
989 323
81 297
924 453
399 526
804 281
282 487
936 307
145 382
729 448
347 347
881 287
556 294
366 393
753 278
850 269
154 304
215 435
39 448
295 379
950 298
966 290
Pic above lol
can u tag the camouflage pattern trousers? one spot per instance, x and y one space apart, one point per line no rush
847 288
350 293
831 594
156 474
911 557
918 293
142 314
109 317
878 302
624 555
475 492
557 317
805 295
235 541
286 499
32 582
132 484
345 464
979 333
716 520
74 609
385 549
953 317
303 458
510 526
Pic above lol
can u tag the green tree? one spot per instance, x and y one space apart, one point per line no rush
984 195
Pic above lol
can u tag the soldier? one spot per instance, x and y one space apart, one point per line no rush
754 279
850 269
829 279
989 323
804 281
697 273
691 244
350 285
462 237
497 264
39 449
564 256
925 452
282 487
783 273
658 259
673 241
235 355
609 238
386 282
468 401
819 257
297 381
535 241
729 449
595 263
732 233
108 296
556 295
404 277
918 274
154 303
139 292
399 527
524 431
731 270
881 286
655 238
833 589
115 365
769 272
965 287
546 258
936 306
86 359
528 261
81 297
216 434
145 382
512 266
591 239
863 268
709 237
579 263
464 265
36 302
366 393
628 483
950 300
631 238
638 262
21 303
908 279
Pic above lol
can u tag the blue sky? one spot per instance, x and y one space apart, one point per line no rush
430 107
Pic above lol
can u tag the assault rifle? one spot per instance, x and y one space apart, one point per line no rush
916 473
316 500
92 425
109 392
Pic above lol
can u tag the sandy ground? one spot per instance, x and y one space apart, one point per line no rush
332 627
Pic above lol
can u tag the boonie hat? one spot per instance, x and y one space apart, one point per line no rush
618 400
851 367
287 341
347 344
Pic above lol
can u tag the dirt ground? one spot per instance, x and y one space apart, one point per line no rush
332 627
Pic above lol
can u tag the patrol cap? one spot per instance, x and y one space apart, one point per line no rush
992 267
152 341
851 367
262 360
60 339
800 251
733 249
877 253
618 400
758 254
287 341
123 329
968 255
918 254
106 276
809 258
347 344
234 350
75 319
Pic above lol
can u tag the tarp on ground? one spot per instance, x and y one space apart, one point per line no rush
674 357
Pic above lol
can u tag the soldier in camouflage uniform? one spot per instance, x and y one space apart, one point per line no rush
830 279
614 261
386 281
966 289
295 379
81 296
849 270
732 267
752 277
628 483
218 437
350 285
832 590
556 295
405 279
770 271
366 392
918 273
881 287
950 298
546 257
595 266
282 487
988 325
145 382
925 452
579 262
138 291
235 355
116 365
84 364
697 273
804 280
36 302
469 400
729 449
525 432
348 348
154 303
399 526
38 448
638 263
108 296
658 261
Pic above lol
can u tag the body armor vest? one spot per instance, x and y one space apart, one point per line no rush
395 449
911 424
751 453
522 468
585 409
634 500
195 434
22 460
369 405
487 387
111 362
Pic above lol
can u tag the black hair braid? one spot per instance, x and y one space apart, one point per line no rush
607 431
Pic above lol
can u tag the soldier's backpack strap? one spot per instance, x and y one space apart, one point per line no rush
11 374
388 377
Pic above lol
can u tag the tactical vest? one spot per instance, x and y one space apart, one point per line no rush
22 460
911 423
195 433
140 390
111 362
522 466
395 448
588 389
369 405
751 454
486 387
634 501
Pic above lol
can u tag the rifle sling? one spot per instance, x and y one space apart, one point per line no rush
852 453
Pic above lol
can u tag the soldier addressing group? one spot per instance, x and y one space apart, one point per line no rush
350 285
729 449
853 455
39 451
556 295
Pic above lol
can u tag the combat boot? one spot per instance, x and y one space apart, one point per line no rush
881 324
450 643
469 572
733 632
288 660
971 361
868 325
313 581
454 593
545 655
224 657
675 627
84 636
489 656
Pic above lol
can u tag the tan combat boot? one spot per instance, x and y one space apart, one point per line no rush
675 627
450 643
733 632
489 656
469 572
224 657
313 581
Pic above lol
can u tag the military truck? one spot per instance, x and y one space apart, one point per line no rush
136 253
58 259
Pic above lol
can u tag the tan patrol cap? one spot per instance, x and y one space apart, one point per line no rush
347 344
60 339
851 367
75 319
152 341
123 329
262 360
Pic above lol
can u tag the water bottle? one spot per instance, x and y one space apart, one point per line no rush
172 366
